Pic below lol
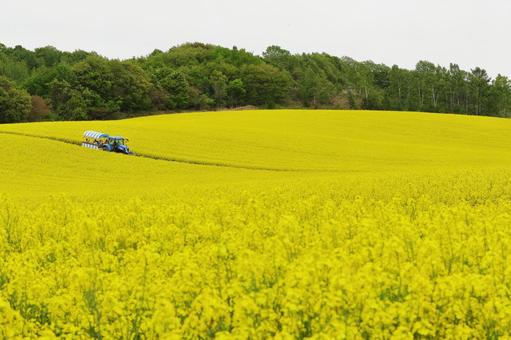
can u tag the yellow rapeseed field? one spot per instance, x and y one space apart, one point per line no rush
258 224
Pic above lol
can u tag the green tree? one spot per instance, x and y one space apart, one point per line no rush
39 82
314 89
200 76
458 89
131 87
265 85
218 83
14 70
396 94
500 97
15 103
278 56
48 56
66 102
177 88
95 74
479 86
235 92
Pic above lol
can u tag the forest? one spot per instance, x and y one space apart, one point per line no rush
49 84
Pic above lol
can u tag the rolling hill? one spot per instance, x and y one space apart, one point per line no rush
258 224
223 144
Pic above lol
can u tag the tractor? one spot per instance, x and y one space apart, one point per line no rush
103 141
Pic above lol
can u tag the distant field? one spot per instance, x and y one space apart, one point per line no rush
319 140
346 224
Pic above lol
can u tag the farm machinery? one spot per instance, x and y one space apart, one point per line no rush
103 141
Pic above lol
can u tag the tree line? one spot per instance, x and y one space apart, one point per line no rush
48 84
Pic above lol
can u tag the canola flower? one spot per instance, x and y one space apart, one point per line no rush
330 140
158 249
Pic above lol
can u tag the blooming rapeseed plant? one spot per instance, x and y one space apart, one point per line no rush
384 225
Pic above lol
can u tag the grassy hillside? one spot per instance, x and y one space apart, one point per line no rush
258 224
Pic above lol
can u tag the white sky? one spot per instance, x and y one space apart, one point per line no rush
468 32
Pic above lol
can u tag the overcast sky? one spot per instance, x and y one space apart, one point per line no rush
469 32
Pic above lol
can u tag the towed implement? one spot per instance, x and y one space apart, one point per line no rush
103 141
